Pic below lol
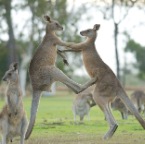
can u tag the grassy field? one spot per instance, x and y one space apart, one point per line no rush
55 125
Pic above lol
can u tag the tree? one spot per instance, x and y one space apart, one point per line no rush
3 60
139 53
11 43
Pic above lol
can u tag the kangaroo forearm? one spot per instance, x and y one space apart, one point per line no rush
59 52
77 47
66 44
71 45
70 50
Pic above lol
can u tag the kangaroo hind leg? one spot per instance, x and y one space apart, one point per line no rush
103 103
58 75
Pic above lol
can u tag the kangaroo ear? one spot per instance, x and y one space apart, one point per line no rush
47 18
96 27
14 66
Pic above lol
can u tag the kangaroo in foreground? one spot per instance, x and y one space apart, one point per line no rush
13 120
43 71
107 85
138 99
82 104
117 104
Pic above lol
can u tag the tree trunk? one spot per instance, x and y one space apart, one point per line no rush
116 50
11 44
23 70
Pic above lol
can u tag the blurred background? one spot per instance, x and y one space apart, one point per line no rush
120 42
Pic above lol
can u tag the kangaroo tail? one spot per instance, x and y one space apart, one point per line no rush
34 107
123 96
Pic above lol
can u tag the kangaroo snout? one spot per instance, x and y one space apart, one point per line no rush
62 28
81 33
4 79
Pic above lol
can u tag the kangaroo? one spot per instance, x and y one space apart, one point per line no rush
82 105
43 71
107 84
117 104
13 120
138 99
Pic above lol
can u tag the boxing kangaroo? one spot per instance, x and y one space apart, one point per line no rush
43 71
107 85
13 120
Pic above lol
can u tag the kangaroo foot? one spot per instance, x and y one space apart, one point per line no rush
88 84
110 133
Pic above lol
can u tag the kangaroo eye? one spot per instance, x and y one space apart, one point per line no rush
9 74
56 24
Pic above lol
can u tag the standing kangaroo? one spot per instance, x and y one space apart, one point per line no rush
82 104
138 99
107 85
43 71
13 120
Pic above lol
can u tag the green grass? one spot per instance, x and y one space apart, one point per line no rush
55 125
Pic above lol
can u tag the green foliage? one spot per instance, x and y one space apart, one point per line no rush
139 52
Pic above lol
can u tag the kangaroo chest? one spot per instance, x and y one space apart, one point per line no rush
44 56
13 98
89 60
49 55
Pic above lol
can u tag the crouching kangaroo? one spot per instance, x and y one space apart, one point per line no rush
43 71
107 85
82 105
13 120
117 104
138 99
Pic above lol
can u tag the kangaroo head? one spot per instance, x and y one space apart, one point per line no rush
11 75
116 103
86 97
91 33
52 25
